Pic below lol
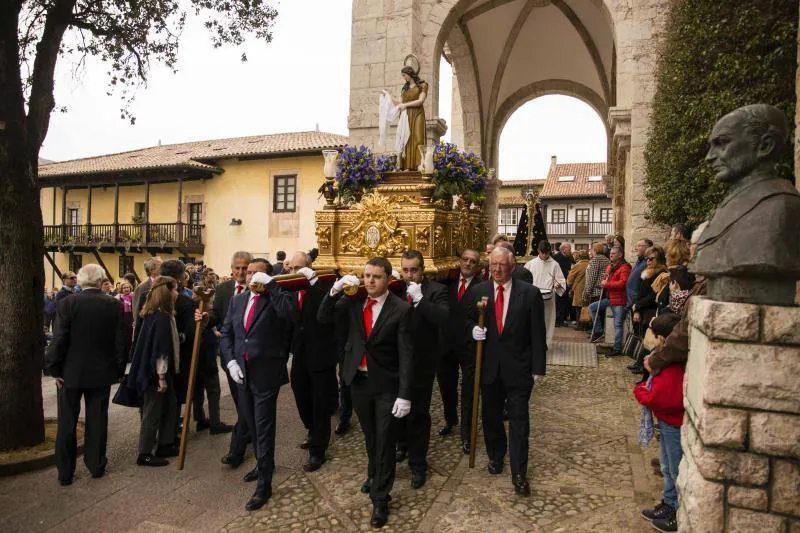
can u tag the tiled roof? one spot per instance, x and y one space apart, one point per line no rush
511 200
521 183
196 155
580 187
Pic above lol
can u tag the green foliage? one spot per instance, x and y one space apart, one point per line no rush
717 56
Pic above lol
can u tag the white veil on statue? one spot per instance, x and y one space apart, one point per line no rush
387 114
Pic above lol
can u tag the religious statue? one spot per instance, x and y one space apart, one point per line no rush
409 110
747 250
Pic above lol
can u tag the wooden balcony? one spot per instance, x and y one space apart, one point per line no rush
186 238
578 229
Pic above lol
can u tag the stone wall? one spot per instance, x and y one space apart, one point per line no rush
741 433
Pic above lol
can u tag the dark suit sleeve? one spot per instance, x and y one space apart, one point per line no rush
120 342
405 349
57 351
281 300
523 274
331 307
538 335
435 308
226 342
215 317
186 323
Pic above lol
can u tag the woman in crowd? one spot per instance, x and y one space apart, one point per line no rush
131 279
594 272
126 297
652 297
619 242
155 363
576 280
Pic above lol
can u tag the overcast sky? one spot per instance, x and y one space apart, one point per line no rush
295 83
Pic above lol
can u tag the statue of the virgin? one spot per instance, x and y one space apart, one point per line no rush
412 100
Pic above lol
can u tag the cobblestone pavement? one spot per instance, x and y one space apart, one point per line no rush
586 469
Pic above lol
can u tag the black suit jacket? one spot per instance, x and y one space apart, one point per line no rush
523 274
389 348
313 342
222 300
459 338
521 350
264 342
88 348
429 318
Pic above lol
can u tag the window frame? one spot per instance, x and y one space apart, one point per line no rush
606 214
280 199
561 218
123 260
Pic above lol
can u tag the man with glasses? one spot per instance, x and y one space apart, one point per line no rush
70 280
461 349
632 287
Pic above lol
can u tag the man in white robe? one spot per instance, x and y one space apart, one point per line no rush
547 276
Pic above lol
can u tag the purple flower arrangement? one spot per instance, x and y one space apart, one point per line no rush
358 170
458 173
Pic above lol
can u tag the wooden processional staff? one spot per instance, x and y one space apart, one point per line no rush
473 433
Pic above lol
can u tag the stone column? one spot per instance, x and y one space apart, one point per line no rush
741 434
491 204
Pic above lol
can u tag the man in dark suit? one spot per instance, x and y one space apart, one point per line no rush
378 366
314 359
429 317
68 282
252 346
86 357
514 353
460 348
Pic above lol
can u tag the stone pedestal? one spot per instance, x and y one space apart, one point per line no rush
396 216
741 433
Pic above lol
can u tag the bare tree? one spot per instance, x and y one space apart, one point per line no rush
128 35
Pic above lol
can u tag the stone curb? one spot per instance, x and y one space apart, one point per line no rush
40 461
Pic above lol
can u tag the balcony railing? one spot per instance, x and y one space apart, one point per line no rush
126 236
597 229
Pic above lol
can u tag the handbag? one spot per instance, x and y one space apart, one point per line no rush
585 317
632 347
125 396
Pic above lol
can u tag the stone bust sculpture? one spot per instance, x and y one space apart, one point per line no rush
749 250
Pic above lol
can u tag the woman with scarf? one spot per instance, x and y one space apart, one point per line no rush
156 360
653 296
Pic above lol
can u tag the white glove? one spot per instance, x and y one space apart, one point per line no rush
236 372
401 408
479 333
310 275
415 291
537 378
261 277
344 280
396 274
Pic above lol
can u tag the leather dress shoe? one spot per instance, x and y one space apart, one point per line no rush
400 455
232 460
65 482
259 499
251 475
380 514
465 447
306 444
638 369
495 467
417 480
314 463
147 459
632 365
167 451
97 474
521 485
446 430
219 429
342 428
367 485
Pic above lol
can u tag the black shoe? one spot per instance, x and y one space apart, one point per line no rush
495 467
259 499
202 425
168 451
597 338
251 476
614 354
632 365
400 455
97 474
380 514
638 369
234 461
667 525
521 485
219 429
306 444
148 459
417 480
342 428
662 510
465 447
314 463
367 485
446 430
65 482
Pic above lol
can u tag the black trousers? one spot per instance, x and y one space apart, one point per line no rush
494 397
417 425
345 400
95 434
313 394
448 385
260 410
240 437
374 410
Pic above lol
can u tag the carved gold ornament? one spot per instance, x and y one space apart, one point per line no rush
323 237
375 231
423 239
438 238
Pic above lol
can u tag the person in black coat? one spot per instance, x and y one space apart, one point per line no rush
254 351
460 349
86 356
377 364
69 281
156 361
429 316
314 359
514 352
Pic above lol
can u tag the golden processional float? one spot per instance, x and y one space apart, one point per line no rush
398 214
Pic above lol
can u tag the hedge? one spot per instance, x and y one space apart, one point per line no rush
717 55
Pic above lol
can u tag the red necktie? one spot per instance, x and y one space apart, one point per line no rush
239 289
300 295
367 325
410 299
462 289
498 309
485 274
249 319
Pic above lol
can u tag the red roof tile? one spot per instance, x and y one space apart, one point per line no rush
580 187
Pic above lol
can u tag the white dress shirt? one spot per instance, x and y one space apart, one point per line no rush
506 297
236 290
250 302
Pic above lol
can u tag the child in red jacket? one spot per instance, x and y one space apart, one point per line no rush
664 397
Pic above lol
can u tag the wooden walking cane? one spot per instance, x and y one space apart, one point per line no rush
476 389
203 295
